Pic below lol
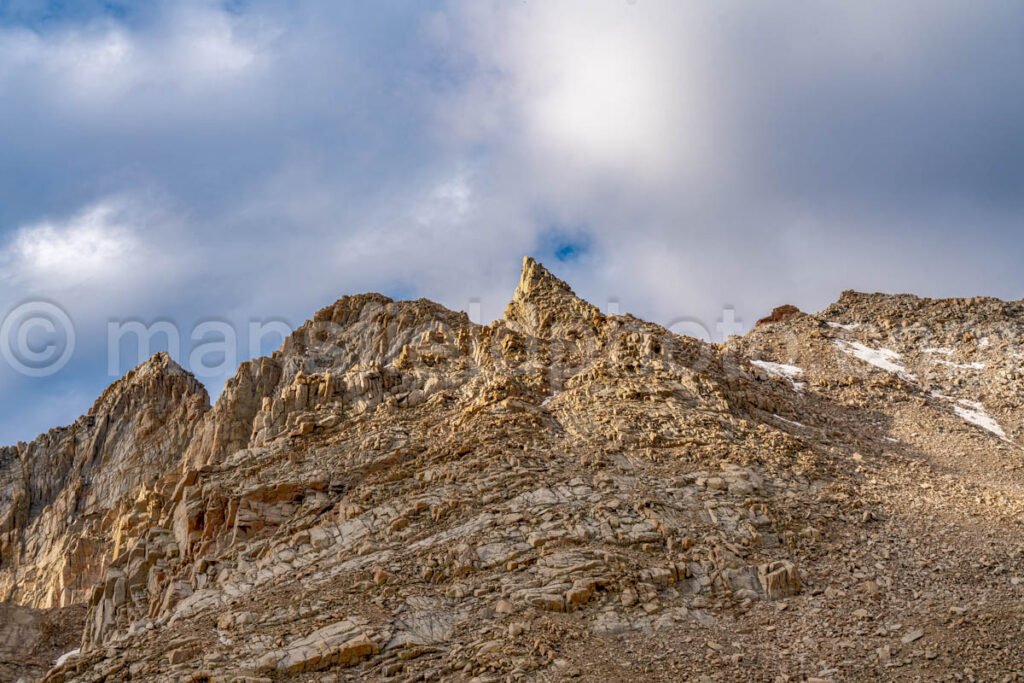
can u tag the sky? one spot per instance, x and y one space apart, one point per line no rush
200 165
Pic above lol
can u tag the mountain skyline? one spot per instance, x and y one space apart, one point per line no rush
228 161
561 493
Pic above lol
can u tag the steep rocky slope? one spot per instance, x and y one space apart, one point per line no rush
401 494
70 500
59 489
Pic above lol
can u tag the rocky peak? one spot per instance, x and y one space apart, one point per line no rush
158 379
398 493
919 310
159 363
347 359
542 303
54 535
780 314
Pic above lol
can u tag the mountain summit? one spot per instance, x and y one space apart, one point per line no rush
542 303
401 494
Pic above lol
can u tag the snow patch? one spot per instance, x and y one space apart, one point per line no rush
549 399
944 350
790 372
884 359
963 366
974 412
849 327
66 656
779 369
790 422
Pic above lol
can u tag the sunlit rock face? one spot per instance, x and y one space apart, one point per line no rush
401 494
64 493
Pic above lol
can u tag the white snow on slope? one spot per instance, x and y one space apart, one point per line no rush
884 359
944 350
975 413
963 366
789 422
848 327
790 372
779 369
549 399
66 656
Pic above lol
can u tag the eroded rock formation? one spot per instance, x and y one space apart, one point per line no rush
62 492
401 494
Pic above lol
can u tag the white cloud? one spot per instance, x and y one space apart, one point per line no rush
449 202
102 64
91 244
210 46
596 90
112 252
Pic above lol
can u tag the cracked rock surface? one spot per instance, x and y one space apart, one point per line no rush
401 494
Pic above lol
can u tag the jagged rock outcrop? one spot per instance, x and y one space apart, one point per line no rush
780 314
543 306
399 493
349 358
71 498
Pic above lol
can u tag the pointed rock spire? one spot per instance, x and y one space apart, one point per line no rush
158 378
542 301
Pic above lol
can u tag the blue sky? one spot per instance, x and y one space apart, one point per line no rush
199 161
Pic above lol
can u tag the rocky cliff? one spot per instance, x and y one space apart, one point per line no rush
399 493
61 493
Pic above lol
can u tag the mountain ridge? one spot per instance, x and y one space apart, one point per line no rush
395 479
845 297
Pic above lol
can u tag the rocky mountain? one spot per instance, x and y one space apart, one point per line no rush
75 499
401 494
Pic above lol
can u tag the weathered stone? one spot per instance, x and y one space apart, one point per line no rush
396 480
779 580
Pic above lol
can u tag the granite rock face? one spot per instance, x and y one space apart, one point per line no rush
401 494
62 493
